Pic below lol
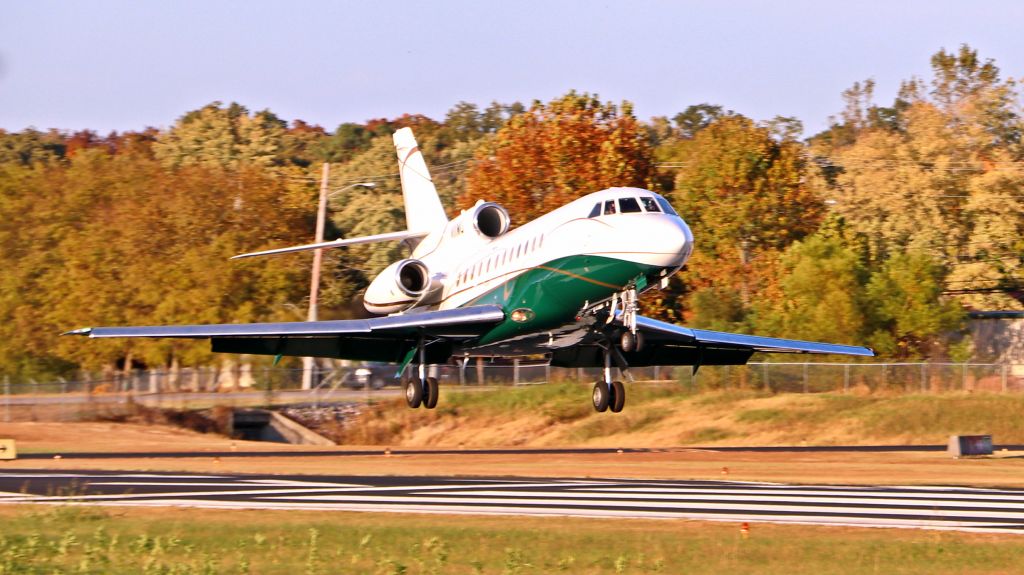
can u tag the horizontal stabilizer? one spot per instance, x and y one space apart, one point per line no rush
391 236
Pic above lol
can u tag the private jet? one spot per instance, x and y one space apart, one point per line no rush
564 286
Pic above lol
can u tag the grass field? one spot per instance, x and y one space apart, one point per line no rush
69 539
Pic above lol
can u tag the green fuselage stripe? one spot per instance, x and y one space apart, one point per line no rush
557 290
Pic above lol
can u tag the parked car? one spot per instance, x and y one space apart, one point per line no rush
370 375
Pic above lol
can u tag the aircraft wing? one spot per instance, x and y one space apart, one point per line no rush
376 339
669 344
658 330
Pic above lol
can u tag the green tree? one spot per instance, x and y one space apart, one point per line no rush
908 307
820 294
222 136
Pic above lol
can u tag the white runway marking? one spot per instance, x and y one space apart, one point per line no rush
929 507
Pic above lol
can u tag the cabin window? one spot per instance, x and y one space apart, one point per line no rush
540 241
649 204
609 207
596 211
665 206
629 205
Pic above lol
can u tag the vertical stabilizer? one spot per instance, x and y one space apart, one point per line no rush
423 210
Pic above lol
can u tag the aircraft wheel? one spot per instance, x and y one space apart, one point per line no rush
430 393
413 392
630 342
627 341
618 399
602 393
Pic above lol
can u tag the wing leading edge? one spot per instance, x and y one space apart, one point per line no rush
377 339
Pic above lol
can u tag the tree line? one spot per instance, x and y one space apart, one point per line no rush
884 229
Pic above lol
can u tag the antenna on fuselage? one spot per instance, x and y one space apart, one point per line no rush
423 209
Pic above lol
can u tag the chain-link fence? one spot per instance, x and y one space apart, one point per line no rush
92 394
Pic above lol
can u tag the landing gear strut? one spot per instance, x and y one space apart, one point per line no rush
631 340
421 390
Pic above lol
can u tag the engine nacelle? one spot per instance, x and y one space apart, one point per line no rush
400 286
490 220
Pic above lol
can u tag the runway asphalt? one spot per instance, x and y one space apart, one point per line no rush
949 508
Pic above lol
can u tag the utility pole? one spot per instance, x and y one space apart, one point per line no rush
308 363
6 397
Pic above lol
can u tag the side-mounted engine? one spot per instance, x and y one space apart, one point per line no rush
402 285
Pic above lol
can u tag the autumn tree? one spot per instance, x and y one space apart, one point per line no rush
556 152
743 193
937 173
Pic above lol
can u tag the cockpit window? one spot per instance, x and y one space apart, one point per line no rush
609 207
649 204
596 211
665 206
629 205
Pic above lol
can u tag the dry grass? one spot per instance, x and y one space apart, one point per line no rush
122 540
663 415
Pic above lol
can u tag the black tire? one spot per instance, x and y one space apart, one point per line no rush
639 345
627 341
377 383
601 396
430 393
413 392
618 400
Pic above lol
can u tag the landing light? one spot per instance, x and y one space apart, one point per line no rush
522 315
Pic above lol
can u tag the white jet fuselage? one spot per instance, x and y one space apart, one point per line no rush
579 254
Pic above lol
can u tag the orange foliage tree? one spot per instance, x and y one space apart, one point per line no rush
553 153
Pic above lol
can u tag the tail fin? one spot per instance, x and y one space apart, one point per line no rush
423 210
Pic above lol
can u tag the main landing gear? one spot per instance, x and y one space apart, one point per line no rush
421 390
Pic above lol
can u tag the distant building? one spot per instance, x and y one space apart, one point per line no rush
999 337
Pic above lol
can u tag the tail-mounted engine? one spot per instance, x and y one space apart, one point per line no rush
402 285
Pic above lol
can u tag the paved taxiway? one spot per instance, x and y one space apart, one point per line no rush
957 508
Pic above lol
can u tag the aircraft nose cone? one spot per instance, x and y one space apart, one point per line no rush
685 242
667 236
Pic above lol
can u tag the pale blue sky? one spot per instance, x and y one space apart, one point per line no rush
126 65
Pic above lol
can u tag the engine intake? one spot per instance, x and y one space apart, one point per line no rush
490 220
402 285
412 277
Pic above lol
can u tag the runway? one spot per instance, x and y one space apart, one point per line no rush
950 508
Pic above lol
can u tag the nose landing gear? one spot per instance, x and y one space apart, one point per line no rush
609 395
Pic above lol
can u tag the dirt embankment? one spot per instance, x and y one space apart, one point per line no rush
661 416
